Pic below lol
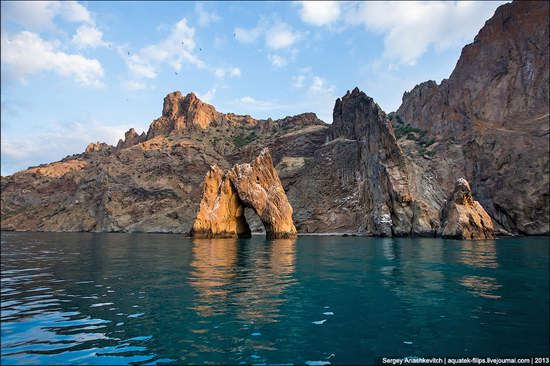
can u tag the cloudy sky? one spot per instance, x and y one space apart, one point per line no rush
77 72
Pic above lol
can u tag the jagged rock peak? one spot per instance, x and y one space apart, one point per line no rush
255 185
464 218
131 138
352 114
98 147
179 113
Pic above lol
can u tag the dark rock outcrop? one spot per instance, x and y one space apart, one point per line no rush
464 218
225 197
491 118
388 198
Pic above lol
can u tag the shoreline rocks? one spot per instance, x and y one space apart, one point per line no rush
464 218
225 196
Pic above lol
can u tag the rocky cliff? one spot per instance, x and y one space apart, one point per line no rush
489 122
367 173
151 182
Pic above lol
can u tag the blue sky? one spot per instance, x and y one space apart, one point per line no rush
80 72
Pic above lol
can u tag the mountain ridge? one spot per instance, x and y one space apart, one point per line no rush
367 173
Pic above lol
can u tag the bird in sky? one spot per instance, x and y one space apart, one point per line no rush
175 72
200 49
108 44
128 53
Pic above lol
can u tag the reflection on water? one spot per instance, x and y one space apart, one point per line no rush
229 274
482 286
412 270
148 299
479 253
213 267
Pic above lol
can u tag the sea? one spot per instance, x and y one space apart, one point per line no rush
118 298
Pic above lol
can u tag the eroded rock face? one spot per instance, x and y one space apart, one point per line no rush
179 113
254 185
131 138
490 118
98 148
221 213
464 218
387 192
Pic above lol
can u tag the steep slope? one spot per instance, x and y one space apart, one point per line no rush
489 122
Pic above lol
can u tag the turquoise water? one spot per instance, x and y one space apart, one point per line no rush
144 298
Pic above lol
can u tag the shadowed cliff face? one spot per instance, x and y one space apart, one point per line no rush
490 119
390 206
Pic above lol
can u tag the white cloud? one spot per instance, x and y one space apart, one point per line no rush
280 36
175 50
220 72
244 35
133 85
88 36
53 144
208 96
410 28
39 15
298 81
320 97
277 35
26 53
204 17
320 12
320 86
74 12
248 104
277 61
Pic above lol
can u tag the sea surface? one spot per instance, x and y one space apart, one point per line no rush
90 298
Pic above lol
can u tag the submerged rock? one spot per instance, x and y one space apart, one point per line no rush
225 196
464 218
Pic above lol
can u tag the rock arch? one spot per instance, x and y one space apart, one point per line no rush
225 196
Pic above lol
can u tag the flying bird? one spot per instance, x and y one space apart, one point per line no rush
128 53
182 42
175 72
200 49
109 45
234 35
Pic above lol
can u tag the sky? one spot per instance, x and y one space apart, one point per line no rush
79 72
